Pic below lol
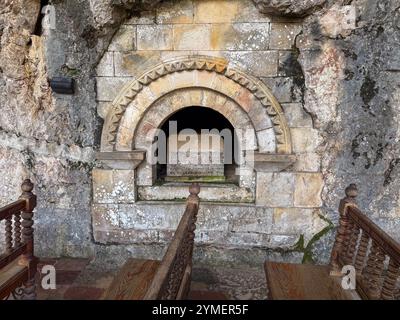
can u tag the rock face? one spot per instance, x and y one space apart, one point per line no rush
289 8
335 73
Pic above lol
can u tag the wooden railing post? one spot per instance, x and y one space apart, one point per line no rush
194 199
28 259
343 234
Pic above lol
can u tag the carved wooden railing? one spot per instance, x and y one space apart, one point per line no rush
373 253
172 279
19 244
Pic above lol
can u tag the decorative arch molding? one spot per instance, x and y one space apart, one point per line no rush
197 71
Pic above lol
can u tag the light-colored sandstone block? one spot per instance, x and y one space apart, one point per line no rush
307 162
304 139
308 190
239 36
171 12
133 64
275 189
103 108
266 140
113 186
192 37
154 37
296 116
124 39
259 116
283 35
109 87
225 11
105 68
210 192
257 63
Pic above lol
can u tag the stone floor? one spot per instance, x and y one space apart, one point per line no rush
79 279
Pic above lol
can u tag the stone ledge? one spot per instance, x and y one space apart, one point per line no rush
125 160
268 162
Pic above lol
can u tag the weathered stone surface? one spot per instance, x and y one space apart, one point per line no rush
113 186
169 13
266 140
284 89
124 39
154 37
307 162
275 189
283 35
291 8
105 68
346 78
108 87
296 115
305 139
338 20
308 190
210 192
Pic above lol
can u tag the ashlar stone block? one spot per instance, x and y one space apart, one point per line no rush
283 35
304 139
308 190
113 186
124 39
171 12
105 68
296 116
275 189
154 37
109 87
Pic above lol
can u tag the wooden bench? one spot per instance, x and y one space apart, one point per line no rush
168 279
359 243
18 264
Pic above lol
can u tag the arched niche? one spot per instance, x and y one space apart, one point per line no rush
213 74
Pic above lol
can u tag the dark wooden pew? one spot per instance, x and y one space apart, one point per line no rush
168 279
18 264
359 243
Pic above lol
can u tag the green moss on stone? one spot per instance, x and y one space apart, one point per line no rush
307 250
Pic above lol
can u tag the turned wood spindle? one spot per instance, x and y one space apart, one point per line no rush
28 258
361 252
389 284
342 232
354 232
373 271
17 229
8 234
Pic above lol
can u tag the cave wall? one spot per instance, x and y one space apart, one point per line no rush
346 73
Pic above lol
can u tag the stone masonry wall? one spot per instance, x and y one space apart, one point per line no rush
287 204
337 83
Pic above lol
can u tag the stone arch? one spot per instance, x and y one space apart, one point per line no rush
207 74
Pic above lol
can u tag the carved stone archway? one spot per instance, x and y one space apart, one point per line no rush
209 73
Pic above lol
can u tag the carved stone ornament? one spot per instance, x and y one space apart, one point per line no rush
255 88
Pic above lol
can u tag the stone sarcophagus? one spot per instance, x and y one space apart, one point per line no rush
196 156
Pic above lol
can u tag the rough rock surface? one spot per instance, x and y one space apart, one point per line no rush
290 8
352 92
349 80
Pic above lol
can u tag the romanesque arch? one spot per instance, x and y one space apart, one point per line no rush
245 98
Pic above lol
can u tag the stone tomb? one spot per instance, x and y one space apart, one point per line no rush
196 156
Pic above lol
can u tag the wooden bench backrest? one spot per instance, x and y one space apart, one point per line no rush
373 253
172 279
19 241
